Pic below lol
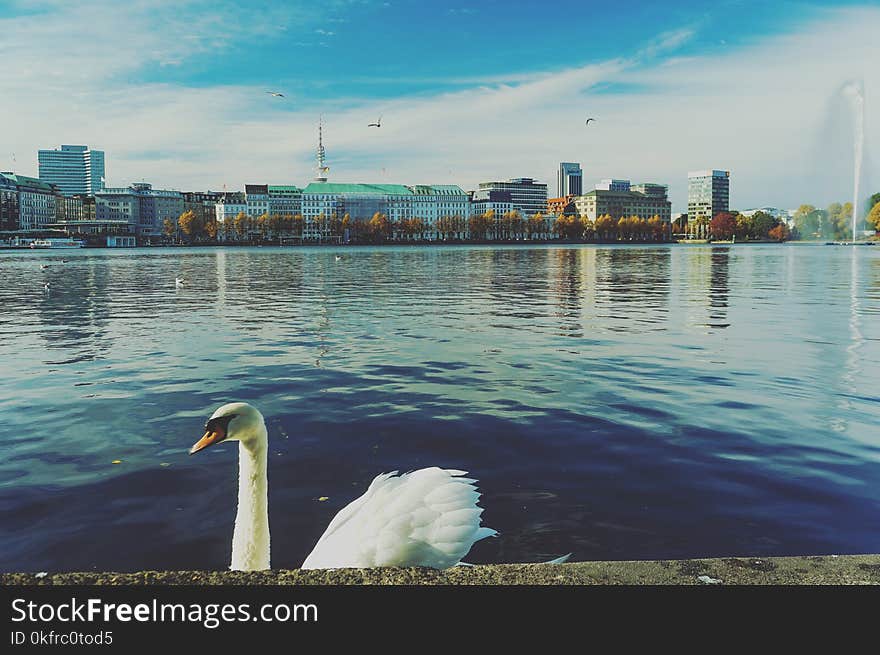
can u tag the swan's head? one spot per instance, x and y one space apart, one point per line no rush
232 422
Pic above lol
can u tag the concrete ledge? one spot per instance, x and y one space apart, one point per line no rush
831 569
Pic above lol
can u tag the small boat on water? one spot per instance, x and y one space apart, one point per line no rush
57 243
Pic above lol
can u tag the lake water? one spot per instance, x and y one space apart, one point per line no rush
614 402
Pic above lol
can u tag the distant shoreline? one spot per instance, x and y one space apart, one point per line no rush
426 244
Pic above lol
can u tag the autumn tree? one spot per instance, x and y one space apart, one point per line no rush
657 228
780 233
568 227
723 225
380 226
191 224
242 225
169 228
480 224
211 227
606 227
873 218
536 225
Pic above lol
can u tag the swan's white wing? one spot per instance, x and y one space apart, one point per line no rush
427 517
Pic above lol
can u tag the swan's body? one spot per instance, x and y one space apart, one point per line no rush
427 517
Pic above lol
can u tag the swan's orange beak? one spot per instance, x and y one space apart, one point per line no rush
214 433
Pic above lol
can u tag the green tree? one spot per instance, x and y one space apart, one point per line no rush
760 225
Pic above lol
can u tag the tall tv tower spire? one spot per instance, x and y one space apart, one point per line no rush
321 169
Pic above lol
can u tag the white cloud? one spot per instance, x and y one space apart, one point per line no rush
762 111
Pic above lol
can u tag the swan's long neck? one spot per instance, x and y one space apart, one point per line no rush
250 540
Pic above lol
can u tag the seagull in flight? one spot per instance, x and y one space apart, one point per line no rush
378 123
588 121
275 93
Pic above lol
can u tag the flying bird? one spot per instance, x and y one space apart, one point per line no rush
378 123
588 121
275 93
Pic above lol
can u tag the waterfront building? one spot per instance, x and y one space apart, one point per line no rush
527 195
322 202
201 203
141 206
9 211
257 199
498 202
431 202
75 170
37 201
227 207
619 199
284 199
563 205
708 194
613 185
569 181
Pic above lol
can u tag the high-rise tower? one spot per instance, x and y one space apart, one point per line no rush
321 169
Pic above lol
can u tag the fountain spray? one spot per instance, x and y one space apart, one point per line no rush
856 91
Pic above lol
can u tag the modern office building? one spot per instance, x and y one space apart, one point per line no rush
613 185
569 180
499 202
622 200
141 206
527 195
75 170
285 199
708 194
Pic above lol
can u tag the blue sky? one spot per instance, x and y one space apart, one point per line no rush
174 91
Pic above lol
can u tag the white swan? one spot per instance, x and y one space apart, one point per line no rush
178 281
427 517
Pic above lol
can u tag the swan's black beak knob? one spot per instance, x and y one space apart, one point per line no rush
215 432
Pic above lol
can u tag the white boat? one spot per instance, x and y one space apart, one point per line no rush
56 243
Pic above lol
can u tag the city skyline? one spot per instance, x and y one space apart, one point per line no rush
203 123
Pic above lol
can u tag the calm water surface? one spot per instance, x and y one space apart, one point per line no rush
615 402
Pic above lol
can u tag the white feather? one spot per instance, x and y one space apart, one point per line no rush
427 518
